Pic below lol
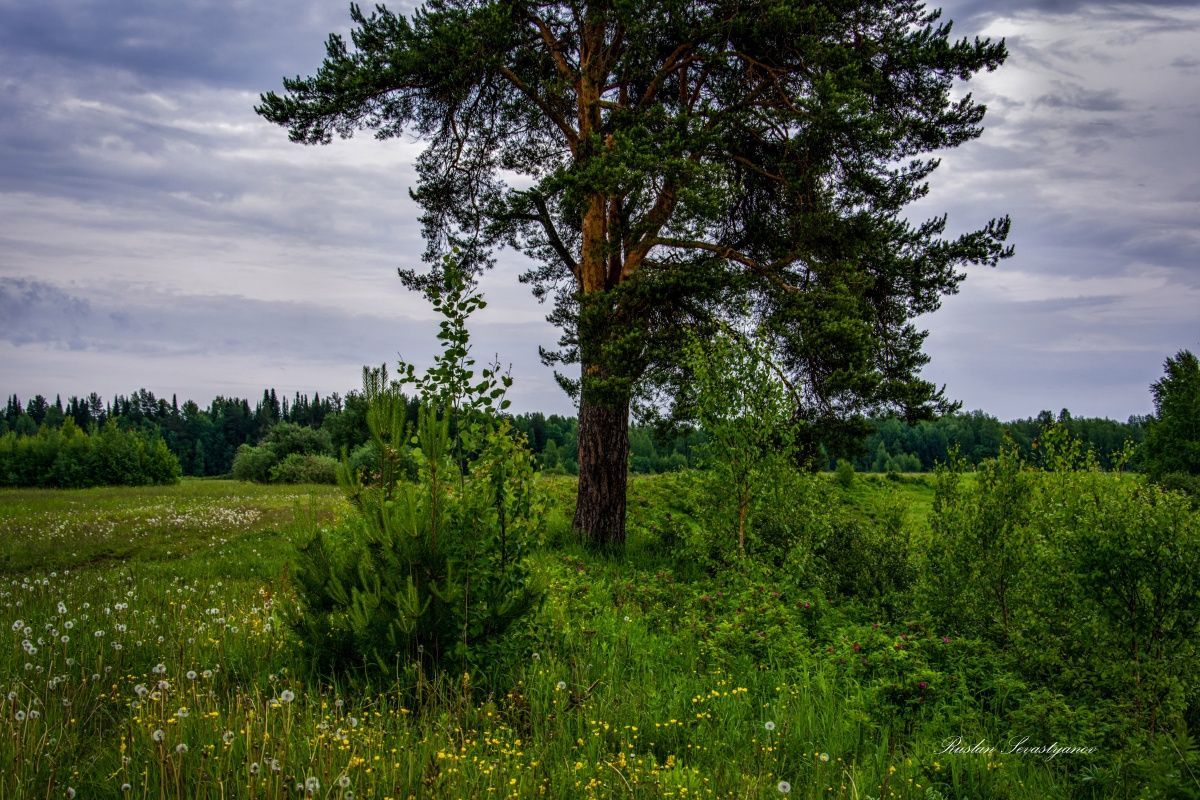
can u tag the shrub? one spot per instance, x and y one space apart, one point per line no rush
1085 580
286 438
253 463
844 473
747 411
427 576
66 457
297 468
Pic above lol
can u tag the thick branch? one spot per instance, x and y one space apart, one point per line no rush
552 234
555 47
769 270
567 131
672 63
655 220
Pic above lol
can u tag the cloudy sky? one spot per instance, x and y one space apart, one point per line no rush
155 232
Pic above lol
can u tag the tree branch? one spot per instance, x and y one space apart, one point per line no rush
555 47
544 107
671 64
552 234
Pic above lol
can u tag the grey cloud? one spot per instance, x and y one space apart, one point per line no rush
179 41
153 323
310 344
1148 13
1077 97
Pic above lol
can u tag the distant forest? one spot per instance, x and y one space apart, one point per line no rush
206 440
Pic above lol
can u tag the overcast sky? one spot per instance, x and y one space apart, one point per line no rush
154 232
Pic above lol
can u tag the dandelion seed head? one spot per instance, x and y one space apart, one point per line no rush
769 725
784 787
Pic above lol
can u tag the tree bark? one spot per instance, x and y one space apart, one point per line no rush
603 472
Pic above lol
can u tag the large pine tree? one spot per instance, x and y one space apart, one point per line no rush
678 164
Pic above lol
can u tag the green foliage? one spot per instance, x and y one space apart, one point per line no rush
1173 435
428 576
289 453
844 473
1085 581
298 468
253 464
66 457
748 412
287 438
662 666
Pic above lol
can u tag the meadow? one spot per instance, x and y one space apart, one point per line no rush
147 654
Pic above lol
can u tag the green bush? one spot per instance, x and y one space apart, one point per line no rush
844 473
297 468
286 438
253 463
1084 581
66 457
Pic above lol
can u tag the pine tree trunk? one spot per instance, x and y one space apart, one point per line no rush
603 472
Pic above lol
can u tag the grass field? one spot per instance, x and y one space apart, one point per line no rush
146 655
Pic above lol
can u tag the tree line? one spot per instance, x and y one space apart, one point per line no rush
206 441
